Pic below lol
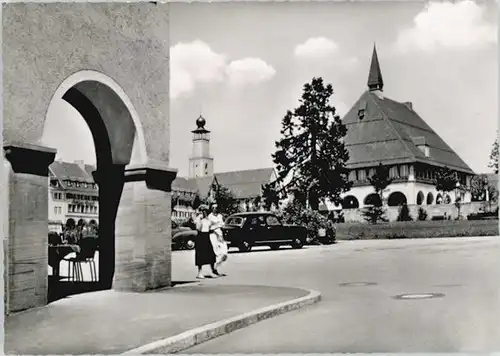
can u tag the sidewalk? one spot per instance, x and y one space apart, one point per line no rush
109 322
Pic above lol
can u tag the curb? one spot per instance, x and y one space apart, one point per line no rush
207 332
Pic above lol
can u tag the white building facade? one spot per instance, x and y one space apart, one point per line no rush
73 194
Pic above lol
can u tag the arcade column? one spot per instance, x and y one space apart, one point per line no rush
143 229
26 246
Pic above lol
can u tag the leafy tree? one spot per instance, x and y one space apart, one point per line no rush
373 214
478 187
225 200
270 195
311 155
256 203
196 202
492 194
446 181
380 181
494 156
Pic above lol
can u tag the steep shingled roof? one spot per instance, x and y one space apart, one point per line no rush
382 130
247 183
64 171
388 132
203 185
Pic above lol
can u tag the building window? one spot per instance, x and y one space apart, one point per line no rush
404 172
361 175
55 210
393 172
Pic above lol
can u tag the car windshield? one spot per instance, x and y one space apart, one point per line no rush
174 225
234 220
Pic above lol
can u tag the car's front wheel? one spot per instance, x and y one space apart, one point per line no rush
297 243
245 246
189 244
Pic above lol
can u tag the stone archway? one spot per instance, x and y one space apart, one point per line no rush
396 199
430 198
76 51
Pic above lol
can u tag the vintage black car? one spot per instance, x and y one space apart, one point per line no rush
245 230
182 237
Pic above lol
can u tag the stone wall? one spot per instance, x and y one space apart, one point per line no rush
355 215
45 43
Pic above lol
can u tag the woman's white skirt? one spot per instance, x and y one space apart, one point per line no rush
220 247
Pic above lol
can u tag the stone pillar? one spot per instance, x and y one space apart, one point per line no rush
110 179
143 230
27 242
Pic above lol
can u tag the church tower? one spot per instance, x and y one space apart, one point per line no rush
201 164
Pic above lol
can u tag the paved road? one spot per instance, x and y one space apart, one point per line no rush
366 318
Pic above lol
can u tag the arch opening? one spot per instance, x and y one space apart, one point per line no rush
420 198
373 199
396 199
118 141
350 202
430 199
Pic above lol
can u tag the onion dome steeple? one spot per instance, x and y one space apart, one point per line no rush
200 125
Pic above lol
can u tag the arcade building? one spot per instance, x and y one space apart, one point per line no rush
382 130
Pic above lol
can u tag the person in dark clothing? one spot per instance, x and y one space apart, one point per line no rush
204 252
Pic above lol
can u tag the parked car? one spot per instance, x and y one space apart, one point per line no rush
245 230
182 237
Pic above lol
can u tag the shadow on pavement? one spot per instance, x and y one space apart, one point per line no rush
265 250
59 289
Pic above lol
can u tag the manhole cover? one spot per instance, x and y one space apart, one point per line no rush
419 296
357 284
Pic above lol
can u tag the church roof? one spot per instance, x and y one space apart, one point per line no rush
382 130
389 132
203 185
247 183
185 185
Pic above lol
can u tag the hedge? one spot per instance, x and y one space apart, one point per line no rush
417 229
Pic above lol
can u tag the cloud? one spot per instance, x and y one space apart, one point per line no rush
316 47
457 25
195 63
249 71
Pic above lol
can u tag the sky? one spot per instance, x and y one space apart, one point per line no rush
243 65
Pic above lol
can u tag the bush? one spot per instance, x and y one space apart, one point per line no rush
297 214
422 214
374 214
483 216
417 229
404 213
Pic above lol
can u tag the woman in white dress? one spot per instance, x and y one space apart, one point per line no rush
217 237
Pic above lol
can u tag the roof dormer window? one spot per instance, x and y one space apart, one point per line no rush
362 110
